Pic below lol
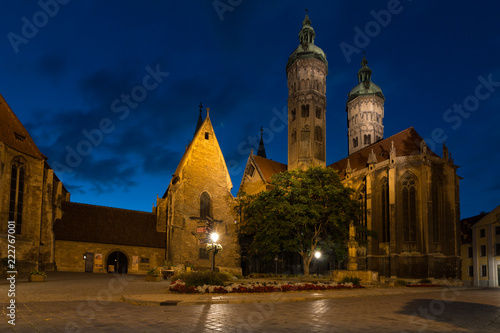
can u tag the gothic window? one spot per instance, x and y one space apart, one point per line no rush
386 231
293 137
293 114
409 197
355 142
305 111
361 197
437 208
205 210
17 176
318 134
367 139
318 112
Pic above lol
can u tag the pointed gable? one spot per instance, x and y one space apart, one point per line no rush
203 154
258 173
406 143
13 133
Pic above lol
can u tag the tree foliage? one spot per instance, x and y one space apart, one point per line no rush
301 211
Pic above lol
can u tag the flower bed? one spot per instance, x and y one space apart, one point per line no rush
423 285
180 287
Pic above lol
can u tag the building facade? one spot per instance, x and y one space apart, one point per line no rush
31 196
408 194
486 250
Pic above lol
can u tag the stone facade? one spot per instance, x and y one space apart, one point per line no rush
306 74
30 194
365 111
198 201
410 197
70 257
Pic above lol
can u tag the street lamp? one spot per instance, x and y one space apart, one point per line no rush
214 237
317 255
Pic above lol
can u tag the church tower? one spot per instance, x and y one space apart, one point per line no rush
306 74
365 111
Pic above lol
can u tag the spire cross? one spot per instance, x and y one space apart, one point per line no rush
200 106
307 11
261 132
208 110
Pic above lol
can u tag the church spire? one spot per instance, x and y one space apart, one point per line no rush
262 151
200 120
365 73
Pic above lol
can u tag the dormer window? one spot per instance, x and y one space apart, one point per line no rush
207 135
19 137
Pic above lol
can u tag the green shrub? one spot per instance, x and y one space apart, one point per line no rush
195 279
355 280
400 283
425 281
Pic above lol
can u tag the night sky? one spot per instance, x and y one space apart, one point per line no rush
69 72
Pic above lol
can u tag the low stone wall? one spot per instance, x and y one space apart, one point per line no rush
69 256
365 276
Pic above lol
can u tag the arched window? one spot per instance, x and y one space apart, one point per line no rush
437 207
318 112
293 137
361 197
355 142
293 114
384 195
305 111
409 197
318 134
205 210
18 172
367 139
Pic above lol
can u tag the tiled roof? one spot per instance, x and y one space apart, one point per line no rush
406 143
466 226
99 224
269 167
13 133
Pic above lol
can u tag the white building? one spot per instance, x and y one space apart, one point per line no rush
486 250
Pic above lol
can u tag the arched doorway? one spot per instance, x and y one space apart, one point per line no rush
119 261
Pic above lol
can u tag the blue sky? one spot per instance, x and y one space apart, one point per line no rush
68 67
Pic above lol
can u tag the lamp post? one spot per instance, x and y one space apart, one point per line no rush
214 237
317 255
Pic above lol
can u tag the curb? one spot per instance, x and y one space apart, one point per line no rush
281 299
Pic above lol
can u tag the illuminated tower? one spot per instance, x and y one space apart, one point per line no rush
306 73
365 111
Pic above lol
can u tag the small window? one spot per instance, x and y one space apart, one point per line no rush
497 249
471 271
355 142
482 233
207 135
293 114
305 111
144 260
318 113
497 230
469 254
484 271
251 170
483 250
204 253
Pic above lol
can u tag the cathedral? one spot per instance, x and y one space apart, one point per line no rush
408 194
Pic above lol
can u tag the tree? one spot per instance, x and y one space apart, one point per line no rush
302 210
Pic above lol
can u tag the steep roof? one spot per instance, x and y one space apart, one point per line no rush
268 167
99 224
406 143
13 133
